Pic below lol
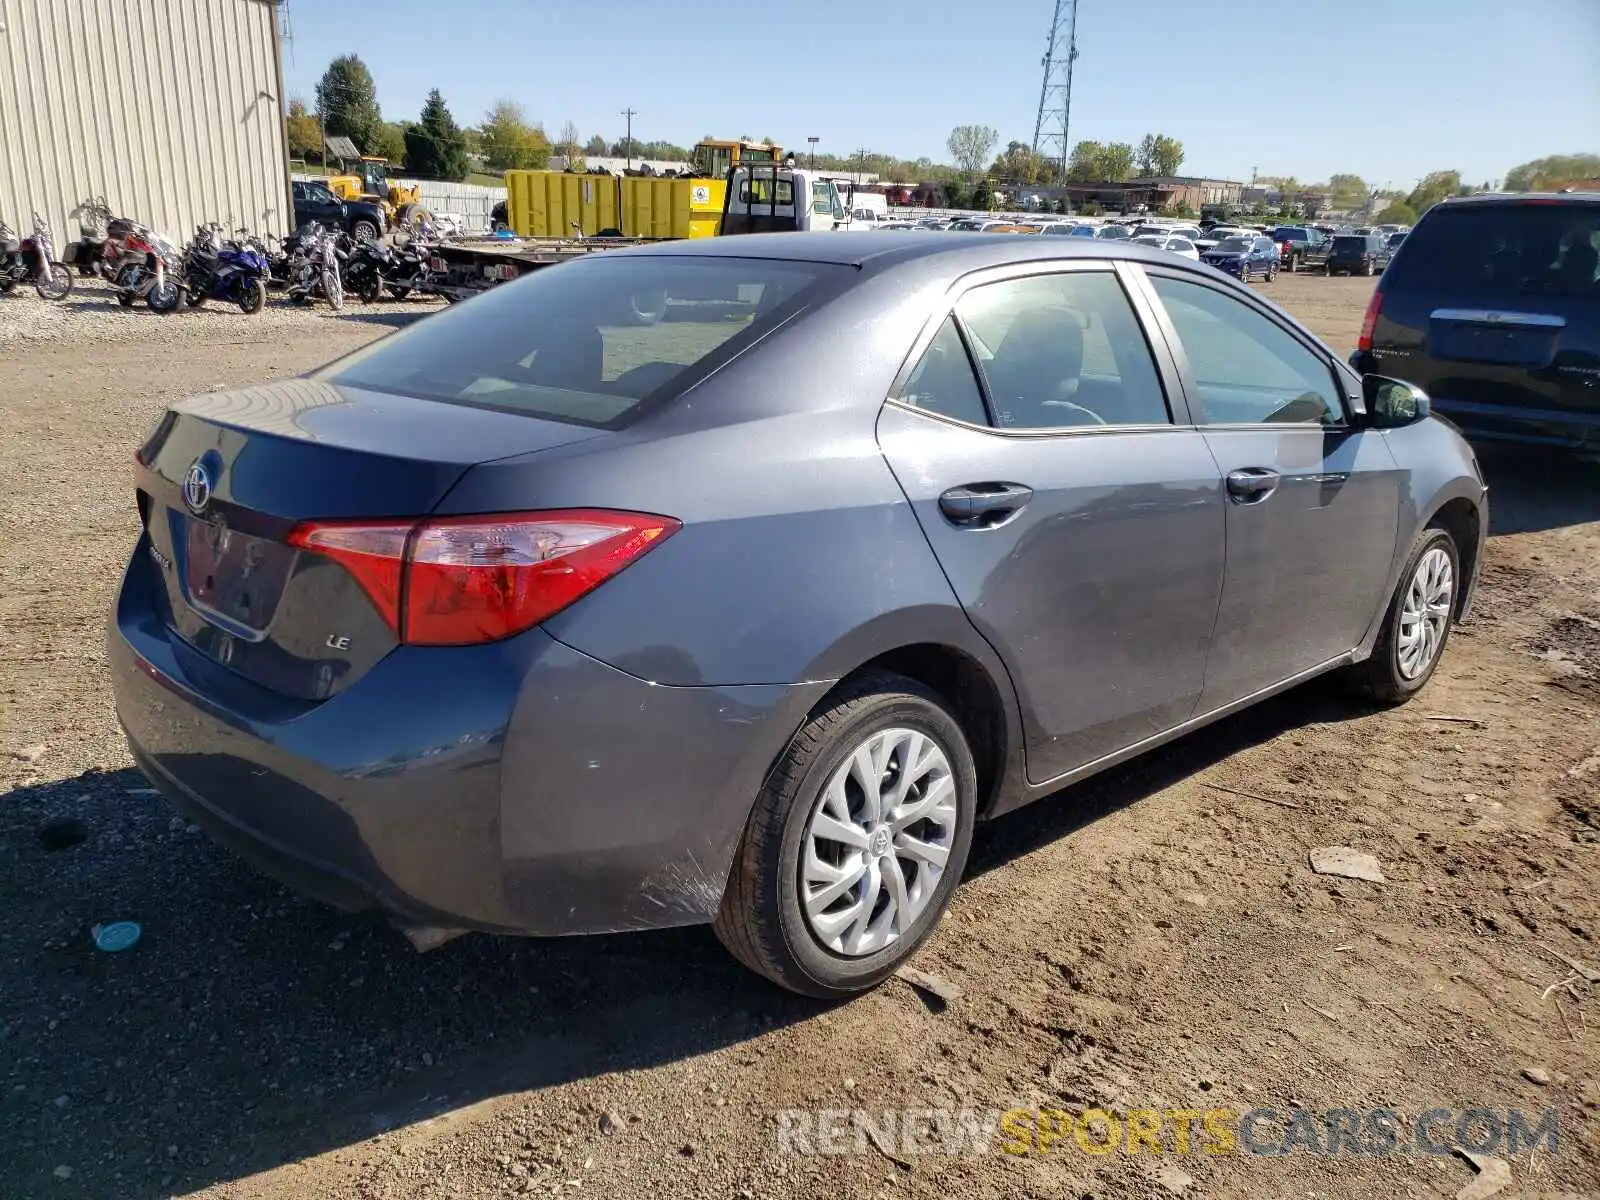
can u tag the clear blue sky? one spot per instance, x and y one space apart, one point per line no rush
1388 89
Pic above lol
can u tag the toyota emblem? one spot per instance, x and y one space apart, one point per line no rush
197 487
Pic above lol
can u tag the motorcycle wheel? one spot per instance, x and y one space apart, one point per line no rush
194 299
6 284
253 297
333 289
126 299
398 292
370 290
164 300
57 285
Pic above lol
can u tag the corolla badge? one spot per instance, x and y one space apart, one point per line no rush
197 486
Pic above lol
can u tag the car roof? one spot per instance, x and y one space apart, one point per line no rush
877 250
1500 198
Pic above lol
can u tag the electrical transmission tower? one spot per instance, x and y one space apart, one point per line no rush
1055 93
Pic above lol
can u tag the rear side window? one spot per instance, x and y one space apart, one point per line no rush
591 341
942 381
1502 250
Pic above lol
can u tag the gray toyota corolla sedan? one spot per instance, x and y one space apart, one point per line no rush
733 581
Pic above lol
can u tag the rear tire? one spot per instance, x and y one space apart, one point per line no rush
1366 268
765 921
364 231
1394 674
126 299
399 293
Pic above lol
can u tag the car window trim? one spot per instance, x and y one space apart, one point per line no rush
1178 412
1186 370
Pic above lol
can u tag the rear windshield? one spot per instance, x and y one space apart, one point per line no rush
1503 249
1233 245
1351 241
590 341
1293 235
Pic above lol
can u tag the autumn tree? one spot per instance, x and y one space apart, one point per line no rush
347 101
1550 174
970 146
305 135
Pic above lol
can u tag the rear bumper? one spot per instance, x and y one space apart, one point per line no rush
1558 428
521 787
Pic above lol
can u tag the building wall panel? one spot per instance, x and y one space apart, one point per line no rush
170 109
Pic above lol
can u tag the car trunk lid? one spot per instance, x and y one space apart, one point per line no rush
226 478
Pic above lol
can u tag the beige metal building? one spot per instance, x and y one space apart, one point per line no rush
173 110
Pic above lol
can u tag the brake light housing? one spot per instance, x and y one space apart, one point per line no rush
1369 321
457 581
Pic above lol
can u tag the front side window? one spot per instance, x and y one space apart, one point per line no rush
587 342
1247 369
1062 351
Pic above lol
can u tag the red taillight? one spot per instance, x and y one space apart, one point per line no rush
1364 342
455 581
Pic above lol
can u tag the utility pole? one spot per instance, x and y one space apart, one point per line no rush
627 139
813 142
861 164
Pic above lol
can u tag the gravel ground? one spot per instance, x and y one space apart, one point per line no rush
1153 939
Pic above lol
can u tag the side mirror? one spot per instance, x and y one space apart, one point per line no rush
1392 403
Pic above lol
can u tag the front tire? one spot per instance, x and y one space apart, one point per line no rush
252 297
57 285
164 299
1416 627
856 842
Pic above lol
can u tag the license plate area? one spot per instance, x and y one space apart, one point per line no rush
1500 345
232 578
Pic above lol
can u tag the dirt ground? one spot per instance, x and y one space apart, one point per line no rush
1154 939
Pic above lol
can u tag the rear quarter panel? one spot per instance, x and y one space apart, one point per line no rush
799 556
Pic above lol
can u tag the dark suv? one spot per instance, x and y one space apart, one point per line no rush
1358 254
1492 306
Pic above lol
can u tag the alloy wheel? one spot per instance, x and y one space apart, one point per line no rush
1425 614
877 841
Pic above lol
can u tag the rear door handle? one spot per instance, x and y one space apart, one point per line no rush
1251 485
983 505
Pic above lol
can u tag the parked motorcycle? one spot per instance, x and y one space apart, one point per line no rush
140 263
93 217
214 269
314 268
368 267
415 265
33 260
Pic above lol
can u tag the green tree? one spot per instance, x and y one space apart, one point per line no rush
1348 191
1117 162
509 142
1019 164
391 142
1550 174
970 146
347 100
595 146
305 135
435 145
1432 188
1095 162
1159 154
1397 213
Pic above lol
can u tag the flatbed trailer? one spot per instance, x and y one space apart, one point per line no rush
464 267
764 198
